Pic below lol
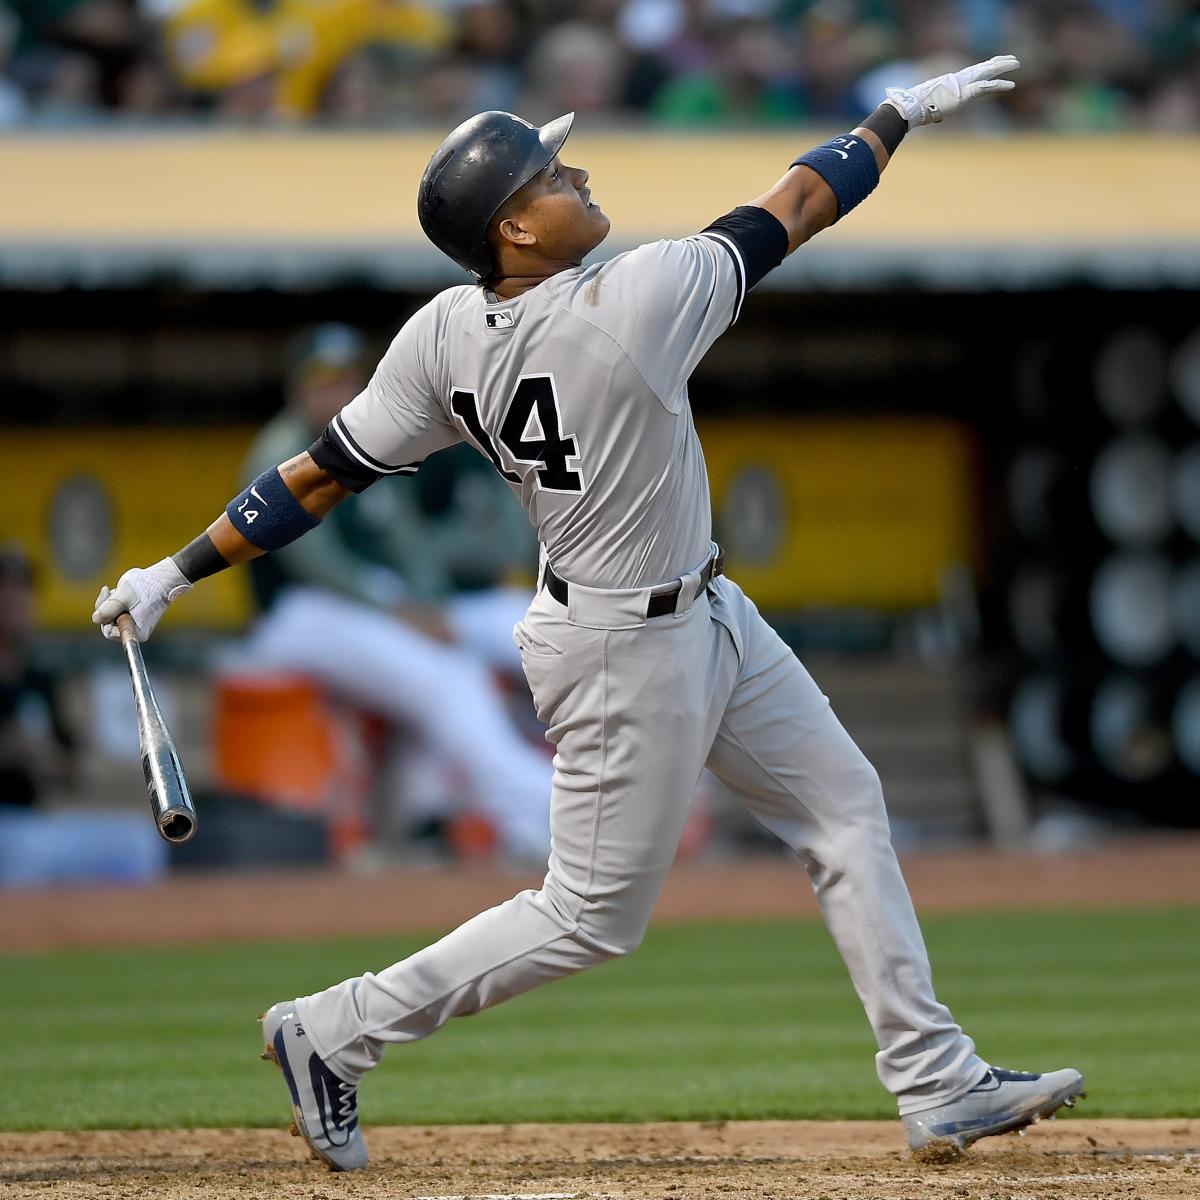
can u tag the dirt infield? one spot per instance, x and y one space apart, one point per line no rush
1161 870
773 1160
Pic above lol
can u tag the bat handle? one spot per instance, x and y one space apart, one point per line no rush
126 628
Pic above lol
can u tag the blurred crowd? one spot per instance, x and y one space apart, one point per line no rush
1089 65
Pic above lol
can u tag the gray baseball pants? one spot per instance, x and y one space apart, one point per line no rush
636 708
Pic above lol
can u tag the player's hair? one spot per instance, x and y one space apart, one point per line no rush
492 233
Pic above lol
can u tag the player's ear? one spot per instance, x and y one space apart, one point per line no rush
512 230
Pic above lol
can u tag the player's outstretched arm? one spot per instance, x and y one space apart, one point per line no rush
277 508
824 184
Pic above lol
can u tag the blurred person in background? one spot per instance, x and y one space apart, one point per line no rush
35 742
834 45
223 53
669 40
365 606
578 65
147 92
361 92
1096 66
70 92
482 67
73 57
13 107
1173 98
286 52
37 755
751 79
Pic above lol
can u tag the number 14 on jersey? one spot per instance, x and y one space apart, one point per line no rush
531 432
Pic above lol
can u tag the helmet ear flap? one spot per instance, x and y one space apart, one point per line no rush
473 173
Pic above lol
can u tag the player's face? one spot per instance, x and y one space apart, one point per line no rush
561 213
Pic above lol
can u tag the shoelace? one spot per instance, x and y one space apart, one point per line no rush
347 1103
998 1075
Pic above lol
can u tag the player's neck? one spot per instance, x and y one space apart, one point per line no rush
520 270
512 286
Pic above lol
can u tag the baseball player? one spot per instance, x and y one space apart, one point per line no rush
645 661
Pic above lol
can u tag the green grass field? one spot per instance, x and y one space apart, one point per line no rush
705 1021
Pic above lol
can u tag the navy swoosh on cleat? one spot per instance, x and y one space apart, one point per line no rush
282 1058
325 1086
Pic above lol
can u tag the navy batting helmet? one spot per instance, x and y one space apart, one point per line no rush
473 172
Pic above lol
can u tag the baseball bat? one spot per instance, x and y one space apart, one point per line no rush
170 802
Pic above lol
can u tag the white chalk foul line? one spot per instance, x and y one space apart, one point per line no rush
507 1196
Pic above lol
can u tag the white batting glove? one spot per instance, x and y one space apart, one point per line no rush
144 594
935 99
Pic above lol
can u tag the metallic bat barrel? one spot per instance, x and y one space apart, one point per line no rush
170 801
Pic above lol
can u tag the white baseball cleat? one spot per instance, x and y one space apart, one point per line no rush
325 1106
1002 1101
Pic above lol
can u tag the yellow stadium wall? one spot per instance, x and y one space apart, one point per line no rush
863 513
86 504
331 189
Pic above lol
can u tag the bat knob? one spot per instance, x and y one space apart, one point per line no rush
166 786
177 826
174 813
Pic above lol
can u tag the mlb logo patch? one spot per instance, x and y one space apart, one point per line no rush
502 319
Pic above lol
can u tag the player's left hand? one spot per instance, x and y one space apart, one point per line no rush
144 593
935 99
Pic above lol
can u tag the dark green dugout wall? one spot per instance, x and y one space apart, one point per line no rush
1082 406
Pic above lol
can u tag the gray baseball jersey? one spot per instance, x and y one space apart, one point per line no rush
577 392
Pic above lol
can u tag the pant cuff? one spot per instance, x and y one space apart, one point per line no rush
916 1104
333 1061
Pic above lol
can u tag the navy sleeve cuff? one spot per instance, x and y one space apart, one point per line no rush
331 458
337 453
756 241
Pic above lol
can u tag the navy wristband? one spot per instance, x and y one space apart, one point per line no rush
887 125
199 559
848 165
267 514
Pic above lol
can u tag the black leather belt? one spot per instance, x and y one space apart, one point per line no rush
661 603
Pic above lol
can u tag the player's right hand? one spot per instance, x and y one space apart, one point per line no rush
144 593
931 101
